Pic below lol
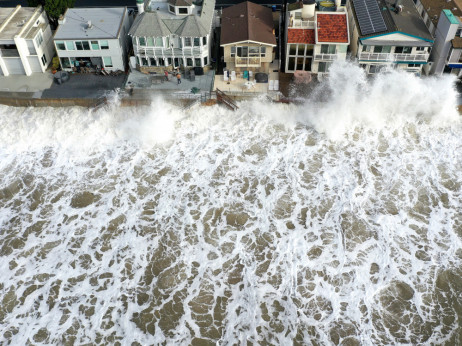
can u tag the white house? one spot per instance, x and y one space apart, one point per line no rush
26 44
173 33
388 33
443 19
314 39
93 37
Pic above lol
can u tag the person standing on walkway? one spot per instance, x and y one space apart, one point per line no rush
166 75
178 77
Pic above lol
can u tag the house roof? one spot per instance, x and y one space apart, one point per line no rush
247 22
16 18
161 23
332 27
105 21
434 8
408 21
306 36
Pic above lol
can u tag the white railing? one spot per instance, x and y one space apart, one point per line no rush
156 51
393 57
326 57
302 24
252 61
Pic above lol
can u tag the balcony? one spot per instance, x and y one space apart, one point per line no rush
302 24
158 51
326 57
391 57
248 62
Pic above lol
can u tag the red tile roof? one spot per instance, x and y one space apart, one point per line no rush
332 28
301 36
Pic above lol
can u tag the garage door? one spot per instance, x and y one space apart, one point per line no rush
34 64
14 65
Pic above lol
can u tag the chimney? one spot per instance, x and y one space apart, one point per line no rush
140 5
61 19
89 25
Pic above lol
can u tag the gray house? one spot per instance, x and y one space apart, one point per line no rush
93 37
171 34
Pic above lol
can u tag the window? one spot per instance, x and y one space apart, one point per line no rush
263 51
187 41
254 51
300 61
86 45
291 65
60 45
65 63
204 40
324 66
70 45
197 62
420 49
171 8
298 15
293 49
458 32
182 10
39 39
413 65
301 49
233 51
142 41
107 60
159 42
403 50
382 49
197 42
144 61
243 52
44 59
94 45
104 44
205 61
161 61
328 49
153 61
150 41
375 68
79 45
189 62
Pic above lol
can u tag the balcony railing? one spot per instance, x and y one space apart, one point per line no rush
242 62
421 57
302 24
326 57
157 51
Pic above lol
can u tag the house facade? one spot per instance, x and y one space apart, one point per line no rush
315 39
93 37
26 44
172 34
388 34
247 37
444 20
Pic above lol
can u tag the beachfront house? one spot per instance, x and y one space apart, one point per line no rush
315 38
388 33
93 38
26 44
247 37
171 34
443 19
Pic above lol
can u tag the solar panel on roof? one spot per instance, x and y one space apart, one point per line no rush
369 17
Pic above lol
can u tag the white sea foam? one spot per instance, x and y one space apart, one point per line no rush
337 221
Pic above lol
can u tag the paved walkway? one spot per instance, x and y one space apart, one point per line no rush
84 86
143 81
22 83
